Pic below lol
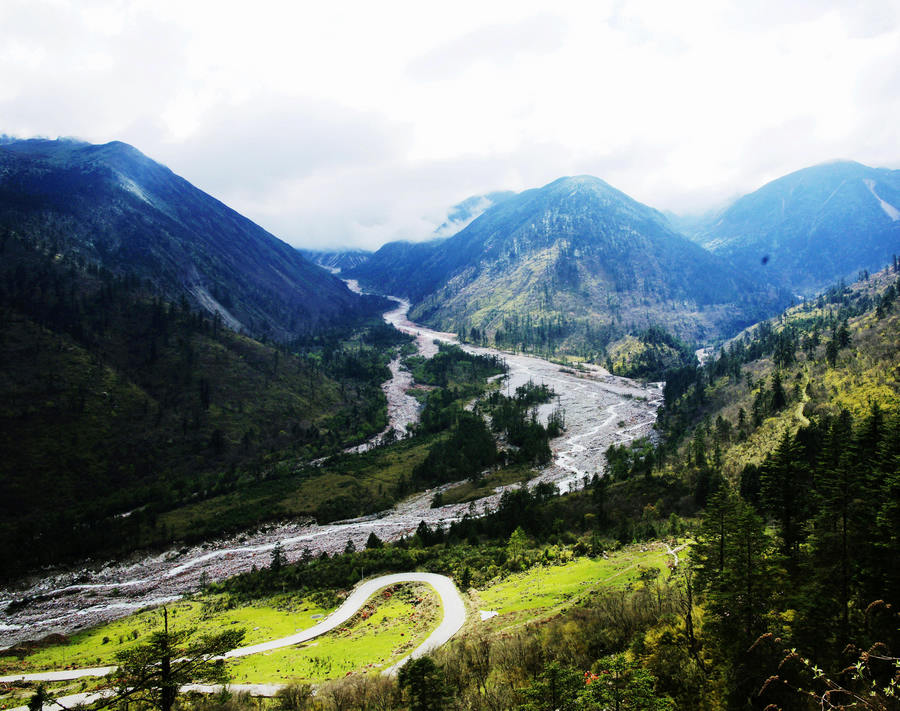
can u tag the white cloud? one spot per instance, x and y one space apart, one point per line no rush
354 122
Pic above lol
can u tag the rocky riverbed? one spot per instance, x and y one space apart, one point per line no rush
600 409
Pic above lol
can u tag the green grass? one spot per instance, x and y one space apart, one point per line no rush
468 491
369 478
545 589
19 694
263 620
392 624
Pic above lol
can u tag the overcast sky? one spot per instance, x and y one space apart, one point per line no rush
351 124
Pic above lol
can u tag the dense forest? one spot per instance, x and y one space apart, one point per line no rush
119 405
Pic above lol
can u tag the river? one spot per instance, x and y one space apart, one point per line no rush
600 409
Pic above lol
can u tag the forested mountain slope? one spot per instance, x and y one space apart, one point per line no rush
575 260
836 352
810 228
790 441
117 404
112 207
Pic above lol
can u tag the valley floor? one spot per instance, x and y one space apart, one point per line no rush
600 410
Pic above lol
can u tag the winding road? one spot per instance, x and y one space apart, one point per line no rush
453 620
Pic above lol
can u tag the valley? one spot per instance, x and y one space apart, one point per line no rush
600 409
195 415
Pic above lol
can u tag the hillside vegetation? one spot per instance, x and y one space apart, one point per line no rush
111 207
118 405
571 266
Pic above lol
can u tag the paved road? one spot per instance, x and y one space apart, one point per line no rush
453 620
454 614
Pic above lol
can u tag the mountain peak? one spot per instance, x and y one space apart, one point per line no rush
580 181
813 226
576 251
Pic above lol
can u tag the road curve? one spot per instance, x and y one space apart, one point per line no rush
454 615
453 620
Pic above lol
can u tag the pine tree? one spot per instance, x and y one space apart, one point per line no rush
779 400
836 532
154 672
736 571
784 482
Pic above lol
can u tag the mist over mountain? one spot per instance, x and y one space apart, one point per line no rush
810 228
574 250
113 207
460 215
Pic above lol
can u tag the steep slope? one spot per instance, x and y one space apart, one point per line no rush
812 227
113 207
401 268
575 255
835 352
114 400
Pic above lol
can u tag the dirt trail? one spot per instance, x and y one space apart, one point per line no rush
600 409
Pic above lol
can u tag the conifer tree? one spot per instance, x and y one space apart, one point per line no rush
784 482
836 531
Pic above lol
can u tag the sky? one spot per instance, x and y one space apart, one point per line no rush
349 124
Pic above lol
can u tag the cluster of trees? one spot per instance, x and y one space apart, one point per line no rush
452 365
515 418
806 553
468 448
626 460
465 454
458 377
538 335
461 679
657 353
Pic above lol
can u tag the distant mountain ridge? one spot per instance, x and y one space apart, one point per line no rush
812 227
338 259
574 250
458 217
112 206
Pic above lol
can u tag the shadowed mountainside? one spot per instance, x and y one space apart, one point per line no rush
111 206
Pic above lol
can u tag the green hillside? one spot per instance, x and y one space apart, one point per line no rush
828 354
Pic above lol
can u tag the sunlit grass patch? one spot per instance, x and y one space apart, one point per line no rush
392 624
545 588
266 619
